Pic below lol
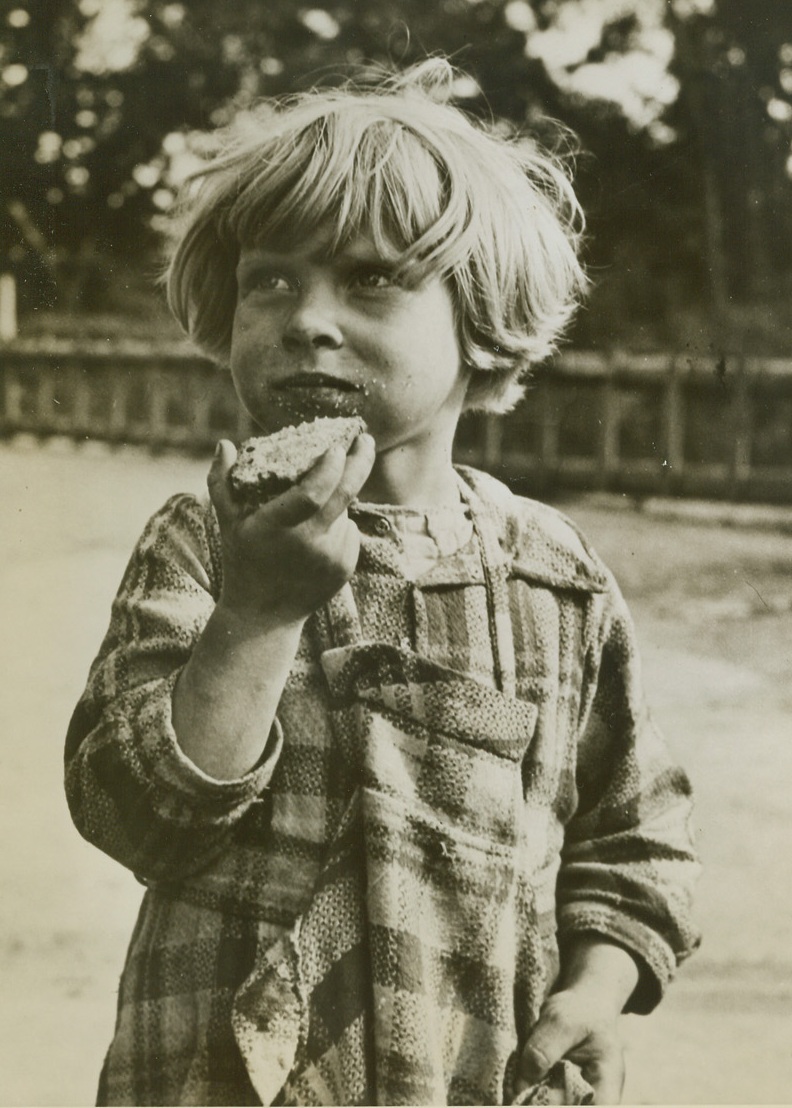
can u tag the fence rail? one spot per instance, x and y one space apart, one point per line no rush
644 424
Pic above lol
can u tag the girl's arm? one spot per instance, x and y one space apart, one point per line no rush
226 698
629 864
281 562
132 790
175 737
628 869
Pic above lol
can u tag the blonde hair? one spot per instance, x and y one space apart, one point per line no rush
480 205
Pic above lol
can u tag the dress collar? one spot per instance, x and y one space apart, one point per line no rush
530 540
538 542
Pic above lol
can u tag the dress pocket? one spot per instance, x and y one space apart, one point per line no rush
434 737
442 908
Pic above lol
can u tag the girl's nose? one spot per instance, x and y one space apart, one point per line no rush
313 322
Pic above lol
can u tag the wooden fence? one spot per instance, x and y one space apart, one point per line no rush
642 424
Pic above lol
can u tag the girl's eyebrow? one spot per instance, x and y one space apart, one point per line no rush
350 262
368 254
347 258
255 257
250 263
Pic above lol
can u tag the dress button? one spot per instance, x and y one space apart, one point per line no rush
440 850
381 526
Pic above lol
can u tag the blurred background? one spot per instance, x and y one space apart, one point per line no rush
664 427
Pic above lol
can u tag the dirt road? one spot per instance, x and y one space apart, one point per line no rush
714 614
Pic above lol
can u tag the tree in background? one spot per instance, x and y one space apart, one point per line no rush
102 104
734 62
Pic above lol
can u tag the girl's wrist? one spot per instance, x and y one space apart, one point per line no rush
246 621
606 970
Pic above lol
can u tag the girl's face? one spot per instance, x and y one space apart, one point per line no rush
318 335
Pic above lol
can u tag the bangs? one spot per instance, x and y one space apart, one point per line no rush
351 174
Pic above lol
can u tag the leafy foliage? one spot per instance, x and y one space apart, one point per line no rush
684 109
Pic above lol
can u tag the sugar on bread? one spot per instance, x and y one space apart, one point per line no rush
268 465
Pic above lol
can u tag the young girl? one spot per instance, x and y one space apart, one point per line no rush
377 748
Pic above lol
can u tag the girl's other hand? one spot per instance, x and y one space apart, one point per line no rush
580 1020
576 1026
285 558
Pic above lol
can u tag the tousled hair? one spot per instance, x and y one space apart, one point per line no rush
480 205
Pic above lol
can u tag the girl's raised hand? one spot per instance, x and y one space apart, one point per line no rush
287 557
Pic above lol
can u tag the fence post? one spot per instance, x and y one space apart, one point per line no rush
674 423
609 426
742 422
493 438
12 401
118 384
549 433
8 307
158 390
81 400
45 397
199 392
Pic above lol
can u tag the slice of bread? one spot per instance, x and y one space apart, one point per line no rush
266 466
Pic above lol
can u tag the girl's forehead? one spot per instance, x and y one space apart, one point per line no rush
323 244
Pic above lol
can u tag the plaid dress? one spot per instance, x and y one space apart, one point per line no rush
462 777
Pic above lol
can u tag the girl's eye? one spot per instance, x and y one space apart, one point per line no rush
266 281
375 279
272 282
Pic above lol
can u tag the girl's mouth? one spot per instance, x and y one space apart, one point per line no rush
317 381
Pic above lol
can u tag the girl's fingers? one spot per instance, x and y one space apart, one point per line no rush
310 494
217 480
356 470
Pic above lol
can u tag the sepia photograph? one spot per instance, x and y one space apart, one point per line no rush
396 552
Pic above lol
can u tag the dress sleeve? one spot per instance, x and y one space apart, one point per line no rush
131 790
629 864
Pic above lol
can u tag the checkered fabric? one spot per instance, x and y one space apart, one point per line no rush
462 778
